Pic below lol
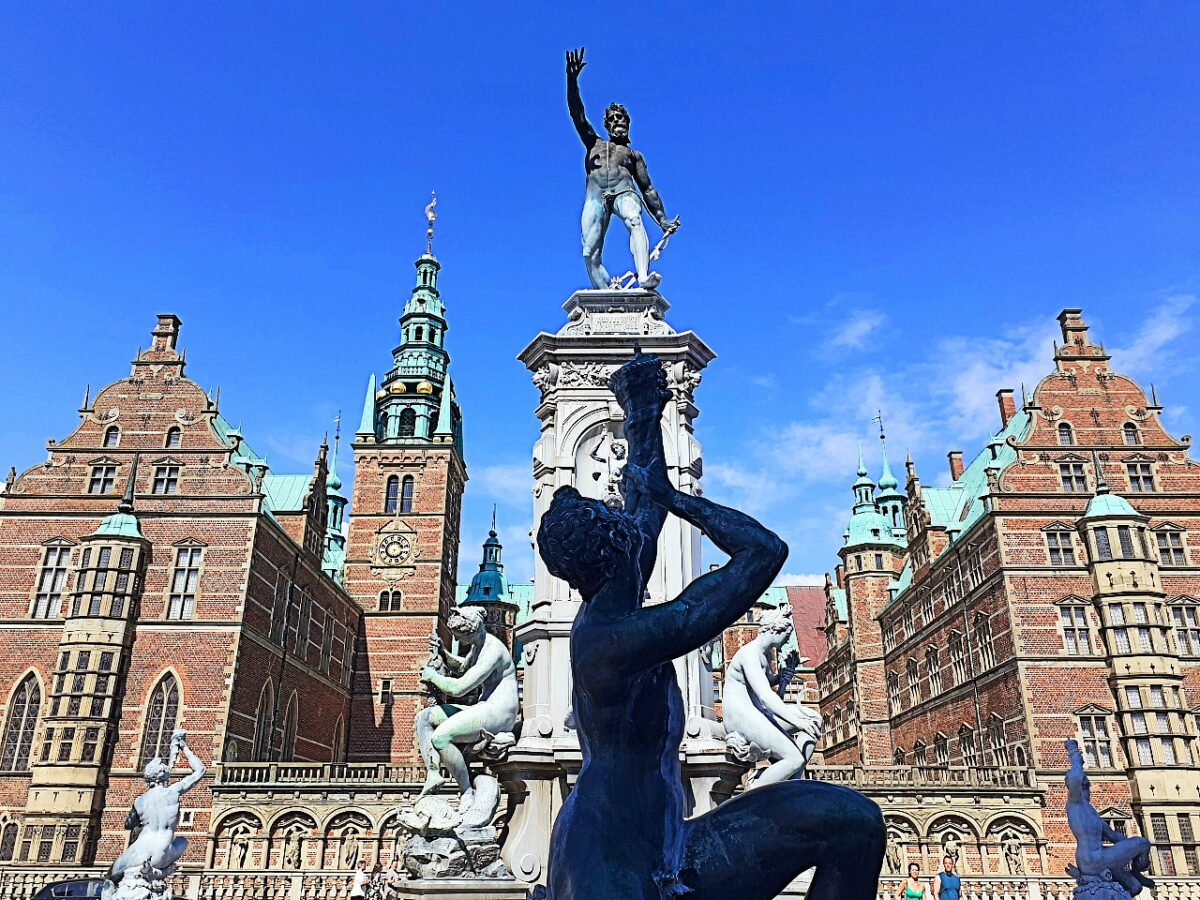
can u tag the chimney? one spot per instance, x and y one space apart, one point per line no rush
166 333
1008 406
1074 329
956 464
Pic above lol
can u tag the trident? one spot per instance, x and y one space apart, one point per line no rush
625 282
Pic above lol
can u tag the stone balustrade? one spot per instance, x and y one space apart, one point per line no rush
876 778
249 775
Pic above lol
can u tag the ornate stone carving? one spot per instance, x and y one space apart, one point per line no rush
450 842
585 374
141 872
758 723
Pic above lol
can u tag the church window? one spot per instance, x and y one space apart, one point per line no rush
1187 629
48 599
22 720
162 715
181 603
102 480
1141 477
941 750
967 748
987 644
408 423
1061 547
112 436
1130 433
1095 741
1170 548
1065 436
391 494
933 664
914 683
893 689
1077 639
996 743
958 659
261 748
1072 478
166 480
406 494
1125 539
290 723
1103 545
174 436
8 842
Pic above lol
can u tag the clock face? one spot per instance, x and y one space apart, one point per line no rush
394 548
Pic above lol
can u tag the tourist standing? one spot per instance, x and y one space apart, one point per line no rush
947 885
913 888
358 886
393 880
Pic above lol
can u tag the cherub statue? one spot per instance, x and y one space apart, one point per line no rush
759 724
443 730
153 855
623 831
1097 865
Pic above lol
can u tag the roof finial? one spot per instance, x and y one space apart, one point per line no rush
1101 483
493 520
87 396
1153 394
879 420
126 505
862 466
431 215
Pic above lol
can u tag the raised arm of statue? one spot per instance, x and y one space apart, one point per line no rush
575 65
188 781
1075 777
716 599
650 195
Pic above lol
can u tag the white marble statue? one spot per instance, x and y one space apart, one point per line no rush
759 724
443 731
140 872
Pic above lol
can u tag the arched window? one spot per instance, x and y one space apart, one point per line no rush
408 422
8 842
162 715
112 436
406 495
261 749
390 601
420 333
174 436
290 722
22 721
1065 436
1130 431
383 424
392 494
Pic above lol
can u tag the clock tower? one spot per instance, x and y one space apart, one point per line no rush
402 545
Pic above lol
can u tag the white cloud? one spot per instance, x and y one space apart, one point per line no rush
793 578
1149 350
856 326
509 483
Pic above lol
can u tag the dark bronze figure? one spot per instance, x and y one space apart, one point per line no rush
621 834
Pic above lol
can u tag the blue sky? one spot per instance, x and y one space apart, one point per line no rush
884 206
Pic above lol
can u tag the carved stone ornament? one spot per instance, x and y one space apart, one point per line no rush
393 551
587 374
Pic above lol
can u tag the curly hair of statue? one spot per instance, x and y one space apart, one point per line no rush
615 109
579 536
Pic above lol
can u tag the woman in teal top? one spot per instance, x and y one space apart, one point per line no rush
947 885
913 887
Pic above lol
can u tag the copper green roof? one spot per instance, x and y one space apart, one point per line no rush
1104 506
119 524
285 493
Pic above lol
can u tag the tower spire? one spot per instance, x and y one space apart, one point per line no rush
431 216
1101 482
126 505
443 433
366 427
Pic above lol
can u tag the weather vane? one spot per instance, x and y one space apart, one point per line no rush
431 215
879 420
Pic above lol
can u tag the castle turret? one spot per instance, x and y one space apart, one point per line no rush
489 590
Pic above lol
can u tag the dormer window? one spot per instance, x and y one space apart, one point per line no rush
1130 432
112 437
1066 437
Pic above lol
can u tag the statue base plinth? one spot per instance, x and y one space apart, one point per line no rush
463 889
